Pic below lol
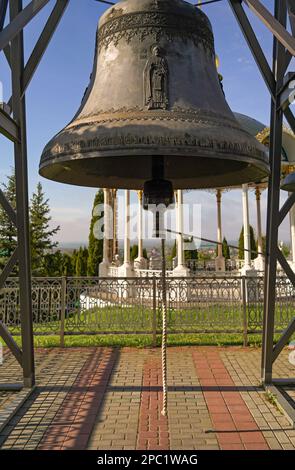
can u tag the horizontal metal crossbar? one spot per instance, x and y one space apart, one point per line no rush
286 267
7 207
8 126
276 28
283 340
43 42
16 351
20 21
8 267
286 207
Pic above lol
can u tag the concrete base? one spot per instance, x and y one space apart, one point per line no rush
259 263
252 291
248 271
103 270
140 263
181 271
220 264
126 270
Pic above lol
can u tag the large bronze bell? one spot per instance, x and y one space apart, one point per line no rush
154 101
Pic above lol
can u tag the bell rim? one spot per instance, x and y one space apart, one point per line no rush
258 167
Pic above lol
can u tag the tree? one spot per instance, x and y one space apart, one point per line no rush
134 252
285 250
253 246
95 245
8 232
67 265
191 254
41 233
81 262
52 264
174 250
225 249
74 261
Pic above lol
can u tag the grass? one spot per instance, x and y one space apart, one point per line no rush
272 398
107 320
143 341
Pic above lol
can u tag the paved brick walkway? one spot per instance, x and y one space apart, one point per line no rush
104 398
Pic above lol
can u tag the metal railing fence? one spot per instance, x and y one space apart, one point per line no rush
216 304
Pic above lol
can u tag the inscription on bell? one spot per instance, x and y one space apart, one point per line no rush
156 78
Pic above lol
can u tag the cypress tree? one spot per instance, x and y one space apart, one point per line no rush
74 261
95 246
225 249
134 252
67 266
253 246
174 251
52 264
81 262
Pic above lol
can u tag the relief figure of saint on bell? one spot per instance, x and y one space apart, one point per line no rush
156 80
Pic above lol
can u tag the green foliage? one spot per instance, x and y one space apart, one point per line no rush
81 262
191 254
74 261
142 341
225 249
204 255
52 264
253 245
174 251
67 265
95 246
41 234
285 250
134 252
7 228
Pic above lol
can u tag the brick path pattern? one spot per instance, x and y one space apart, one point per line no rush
105 398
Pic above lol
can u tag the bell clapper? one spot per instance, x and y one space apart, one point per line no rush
158 196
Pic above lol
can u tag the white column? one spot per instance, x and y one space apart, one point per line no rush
259 261
292 230
219 261
114 249
140 262
181 269
104 266
126 269
247 254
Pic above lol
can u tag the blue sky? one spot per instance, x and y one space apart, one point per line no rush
58 86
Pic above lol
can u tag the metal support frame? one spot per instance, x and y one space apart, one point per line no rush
277 81
11 43
14 129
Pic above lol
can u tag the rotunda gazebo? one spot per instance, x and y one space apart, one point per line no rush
261 132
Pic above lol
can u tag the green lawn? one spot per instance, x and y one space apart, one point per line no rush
217 325
142 341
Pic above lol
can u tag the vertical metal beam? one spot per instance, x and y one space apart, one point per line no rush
3 10
273 200
21 174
